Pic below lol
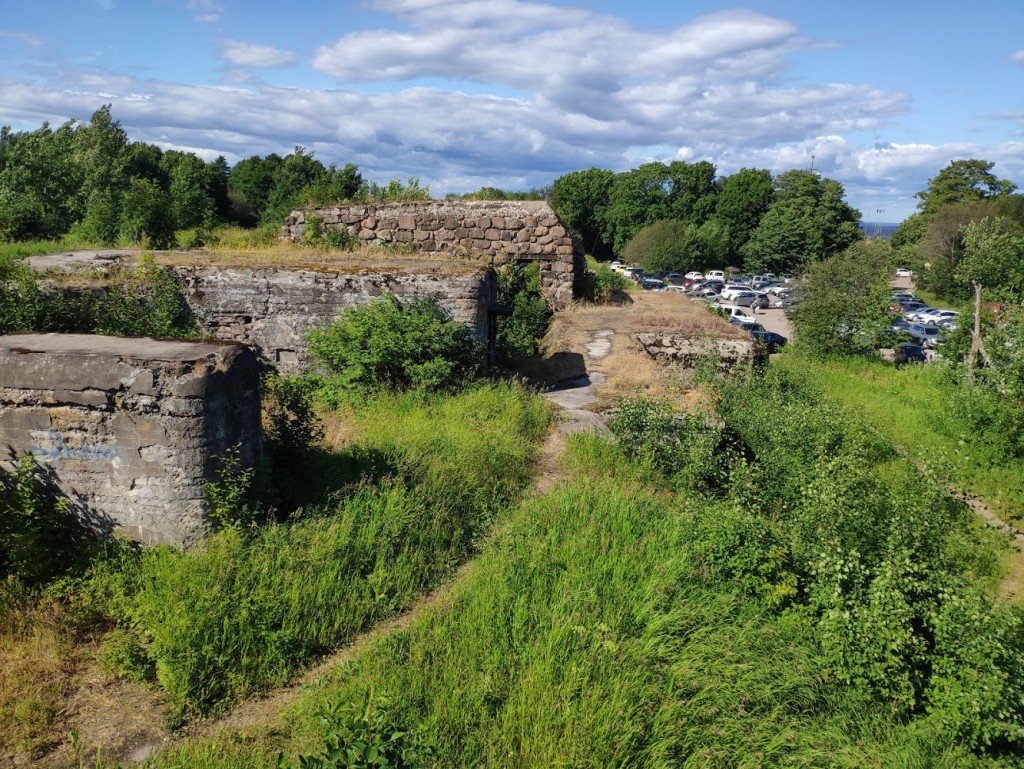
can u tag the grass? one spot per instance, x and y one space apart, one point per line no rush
248 609
590 633
921 411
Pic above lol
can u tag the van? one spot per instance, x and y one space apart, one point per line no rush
715 275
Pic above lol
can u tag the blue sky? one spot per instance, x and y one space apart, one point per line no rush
514 93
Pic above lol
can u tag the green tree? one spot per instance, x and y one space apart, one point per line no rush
807 221
963 181
250 184
580 199
145 214
40 184
741 202
993 255
846 308
335 185
192 205
519 333
298 171
669 245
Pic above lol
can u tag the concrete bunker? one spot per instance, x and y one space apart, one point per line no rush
126 428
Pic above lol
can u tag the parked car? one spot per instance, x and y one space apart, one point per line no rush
936 315
676 289
929 336
729 290
903 272
908 352
743 298
716 275
652 284
732 311
694 275
675 278
769 339
744 321
914 315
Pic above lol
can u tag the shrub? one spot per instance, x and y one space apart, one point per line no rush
229 493
601 285
36 528
364 737
398 346
682 446
520 332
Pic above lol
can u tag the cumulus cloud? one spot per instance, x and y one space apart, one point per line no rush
254 55
538 90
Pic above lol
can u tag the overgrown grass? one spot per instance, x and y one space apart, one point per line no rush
927 416
821 603
594 631
251 606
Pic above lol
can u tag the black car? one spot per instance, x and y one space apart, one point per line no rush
907 352
769 339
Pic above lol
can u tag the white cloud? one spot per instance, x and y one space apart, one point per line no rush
33 41
255 55
1018 56
205 10
541 90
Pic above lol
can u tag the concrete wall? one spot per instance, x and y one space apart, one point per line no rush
126 428
687 351
493 230
272 308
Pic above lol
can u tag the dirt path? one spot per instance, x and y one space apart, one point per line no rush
1011 586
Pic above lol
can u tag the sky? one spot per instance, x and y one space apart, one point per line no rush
514 93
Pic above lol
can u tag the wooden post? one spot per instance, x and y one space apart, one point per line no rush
972 356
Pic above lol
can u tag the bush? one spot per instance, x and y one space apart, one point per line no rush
602 285
520 332
398 346
36 528
682 446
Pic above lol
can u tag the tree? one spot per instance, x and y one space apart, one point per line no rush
580 199
807 221
673 246
40 184
993 255
145 214
298 171
742 200
846 308
962 181
250 184
191 202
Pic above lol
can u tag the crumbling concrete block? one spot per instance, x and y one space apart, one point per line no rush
126 428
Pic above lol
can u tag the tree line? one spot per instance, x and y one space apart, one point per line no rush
682 216
90 180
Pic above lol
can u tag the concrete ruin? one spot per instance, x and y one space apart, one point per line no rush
126 429
496 231
271 309
688 351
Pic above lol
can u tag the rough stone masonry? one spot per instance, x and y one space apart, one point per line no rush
499 231
126 428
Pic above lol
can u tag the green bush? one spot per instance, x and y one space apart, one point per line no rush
684 447
396 345
519 333
601 284
37 529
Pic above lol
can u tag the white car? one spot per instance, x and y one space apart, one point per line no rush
733 311
716 275
732 289
903 272
694 276
937 316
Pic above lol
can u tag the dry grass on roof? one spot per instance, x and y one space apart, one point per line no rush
364 259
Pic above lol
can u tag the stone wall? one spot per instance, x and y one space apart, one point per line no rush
494 230
272 308
687 351
126 428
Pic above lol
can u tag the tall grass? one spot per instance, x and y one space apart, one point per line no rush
590 634
248 608
927 416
